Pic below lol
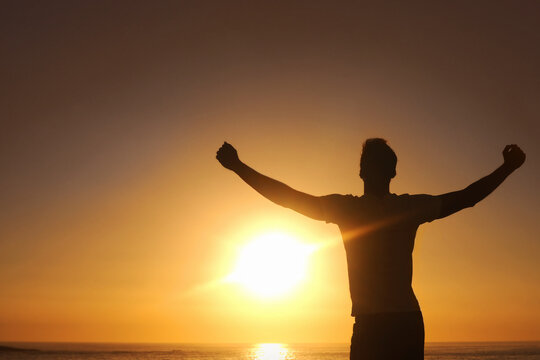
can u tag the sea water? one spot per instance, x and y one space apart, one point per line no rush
91 351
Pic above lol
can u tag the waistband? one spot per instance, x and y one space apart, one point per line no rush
388 315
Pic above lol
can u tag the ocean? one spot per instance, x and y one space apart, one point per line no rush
106 351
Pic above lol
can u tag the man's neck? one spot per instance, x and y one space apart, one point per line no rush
377 189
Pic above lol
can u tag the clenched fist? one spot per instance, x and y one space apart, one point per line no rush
513 156
228 157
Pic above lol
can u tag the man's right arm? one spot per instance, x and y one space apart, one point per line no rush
455 201
271 189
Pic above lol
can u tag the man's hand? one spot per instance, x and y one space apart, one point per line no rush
514 157
228 157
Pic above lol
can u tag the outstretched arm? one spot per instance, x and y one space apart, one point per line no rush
477 191
271 189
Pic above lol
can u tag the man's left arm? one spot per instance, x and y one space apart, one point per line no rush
455 201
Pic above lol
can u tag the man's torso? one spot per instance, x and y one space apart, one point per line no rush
378 235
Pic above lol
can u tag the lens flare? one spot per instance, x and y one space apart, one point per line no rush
272 264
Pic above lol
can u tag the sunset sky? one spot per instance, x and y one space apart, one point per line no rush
118 224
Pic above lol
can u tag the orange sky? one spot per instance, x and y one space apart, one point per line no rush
117 222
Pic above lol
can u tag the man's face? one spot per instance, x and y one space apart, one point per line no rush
375 174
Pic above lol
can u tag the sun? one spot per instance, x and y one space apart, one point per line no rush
272 264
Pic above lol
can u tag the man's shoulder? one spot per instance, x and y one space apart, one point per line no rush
341 196
390 198
425 207
350 198
407 196
340 200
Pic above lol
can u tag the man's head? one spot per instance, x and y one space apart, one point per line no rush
378 161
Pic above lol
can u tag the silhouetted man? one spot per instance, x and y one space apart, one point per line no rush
378 230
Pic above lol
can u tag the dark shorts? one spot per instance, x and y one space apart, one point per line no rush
396 336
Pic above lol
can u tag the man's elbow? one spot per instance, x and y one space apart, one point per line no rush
457 202
471 196
469 203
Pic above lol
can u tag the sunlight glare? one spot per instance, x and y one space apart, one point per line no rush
272 352
271 264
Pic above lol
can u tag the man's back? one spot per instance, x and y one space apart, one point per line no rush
378 234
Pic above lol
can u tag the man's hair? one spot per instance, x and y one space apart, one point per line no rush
378 159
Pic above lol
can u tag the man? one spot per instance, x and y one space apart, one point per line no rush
378 231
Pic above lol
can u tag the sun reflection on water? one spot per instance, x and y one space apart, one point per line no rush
271 352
